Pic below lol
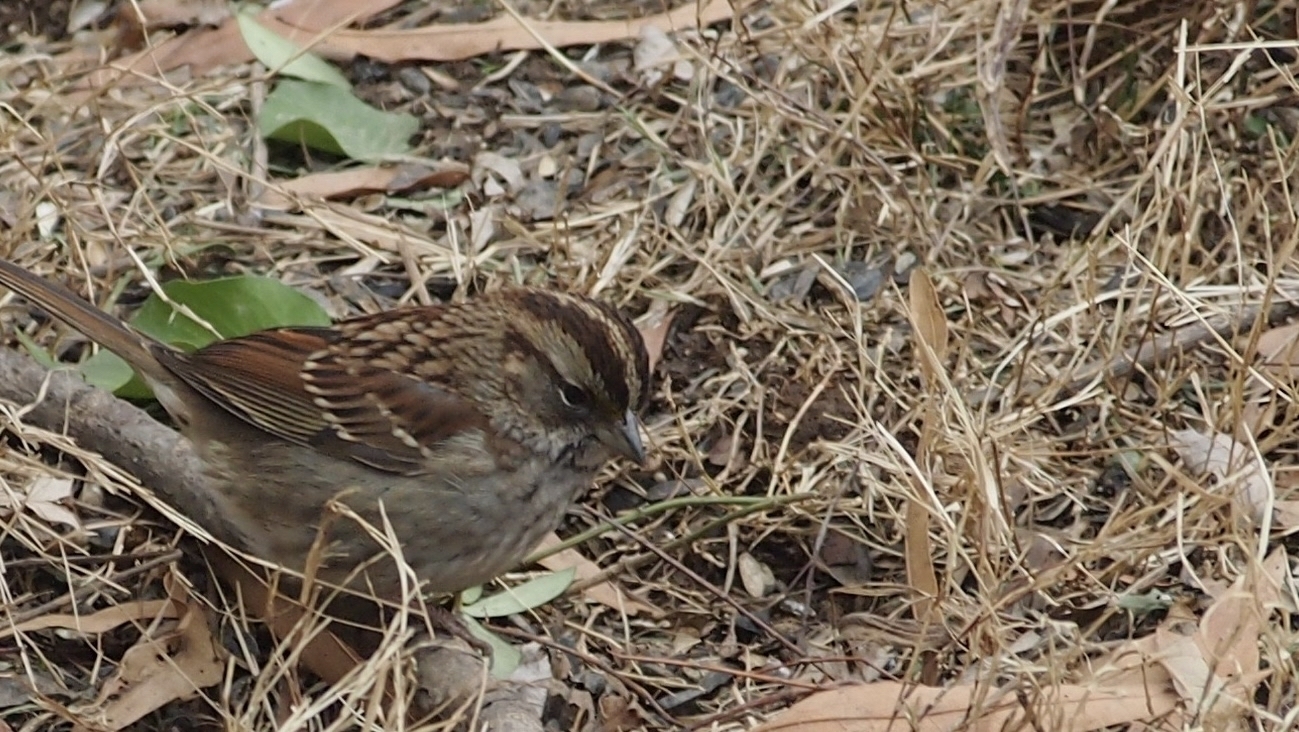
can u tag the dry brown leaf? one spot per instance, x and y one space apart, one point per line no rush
720 453
1218 701
1278 351
364 180
930 323
171 13
654 327
101 621
1216 669
1043 550
1276 569
757 578
173 664
931 335
1181 657
44 499
315 24
204 49
895 707
604 593
1257 417
457 42
1285 516
1232 462
1229 632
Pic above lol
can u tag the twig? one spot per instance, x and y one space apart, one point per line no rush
1147 355
18 618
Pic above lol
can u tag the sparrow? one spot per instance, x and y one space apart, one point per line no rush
468 428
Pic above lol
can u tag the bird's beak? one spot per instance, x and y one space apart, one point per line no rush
624 439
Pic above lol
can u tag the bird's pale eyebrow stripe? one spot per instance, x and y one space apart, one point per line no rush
595 328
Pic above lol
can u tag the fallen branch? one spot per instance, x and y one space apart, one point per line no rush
1159 350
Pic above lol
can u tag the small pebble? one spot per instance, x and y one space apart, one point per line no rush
527 96
536 201
864 279
728 95
793 286
582 98
902 268
414 80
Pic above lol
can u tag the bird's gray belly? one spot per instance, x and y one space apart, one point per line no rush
453 532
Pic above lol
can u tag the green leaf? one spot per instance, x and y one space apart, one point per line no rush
531 594
505 657
285 57
1256 125
103 369
42 356
108 371
471 595
327 118
234 306
1145 603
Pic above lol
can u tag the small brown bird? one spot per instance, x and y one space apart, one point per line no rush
474 424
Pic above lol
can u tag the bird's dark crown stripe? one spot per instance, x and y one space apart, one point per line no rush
592 326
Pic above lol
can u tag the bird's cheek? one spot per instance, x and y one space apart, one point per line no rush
590 454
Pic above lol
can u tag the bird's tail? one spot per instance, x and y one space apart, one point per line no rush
104 329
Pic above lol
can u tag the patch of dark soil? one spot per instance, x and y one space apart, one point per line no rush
49 19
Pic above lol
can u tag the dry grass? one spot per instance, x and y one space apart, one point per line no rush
968 141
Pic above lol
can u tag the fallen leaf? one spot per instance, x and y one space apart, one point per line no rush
508 169
720 453
204 49
530 595
757 578
1286 516
172 13
325 117
1233 463
604 593
456 42
316 26
365 180
44 499
890 706
101 621
652 52
323 653
1182 658
173 664
1278 351
84 14
47 219
281 57
845 559
1229 632
930 324
654 326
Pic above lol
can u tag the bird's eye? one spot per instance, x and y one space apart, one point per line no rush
574 396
